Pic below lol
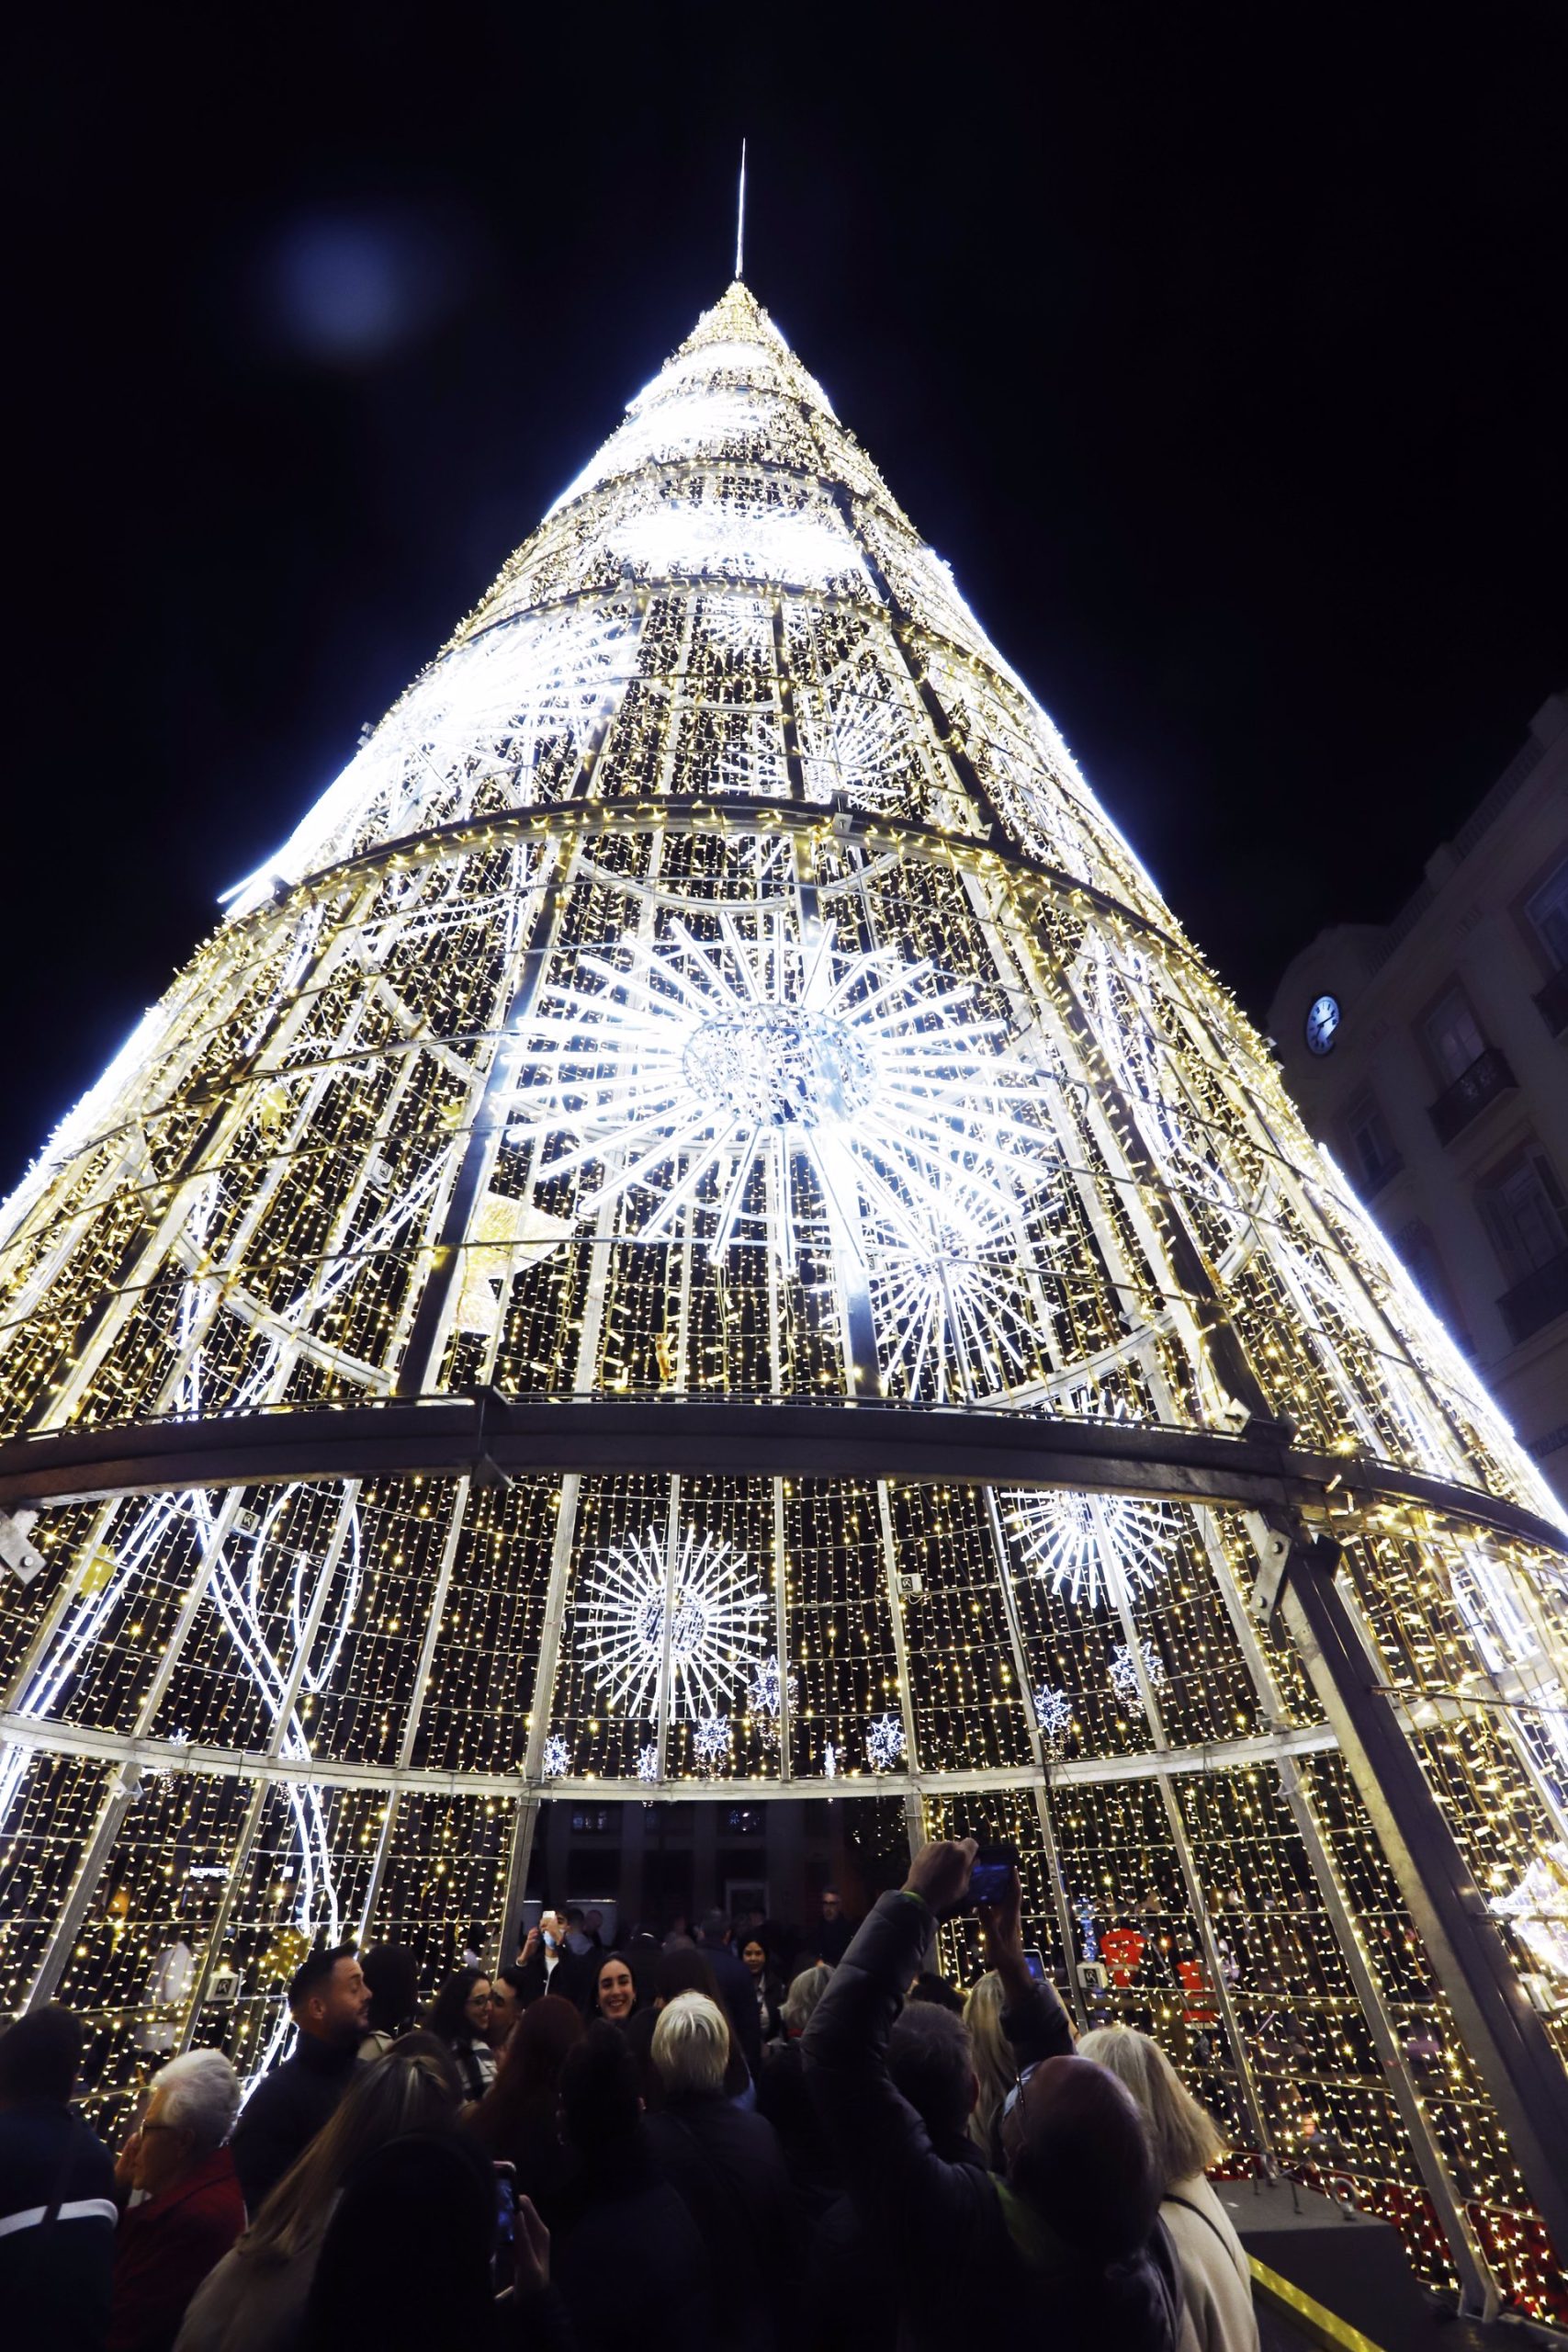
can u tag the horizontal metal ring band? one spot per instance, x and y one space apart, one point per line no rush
40 1736
449 1436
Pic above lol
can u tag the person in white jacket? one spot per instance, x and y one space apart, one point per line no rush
1217 2314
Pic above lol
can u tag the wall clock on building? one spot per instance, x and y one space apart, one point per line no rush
1322 1025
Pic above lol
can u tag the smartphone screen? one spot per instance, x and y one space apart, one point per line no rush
988 1882
1035 1966
505 2210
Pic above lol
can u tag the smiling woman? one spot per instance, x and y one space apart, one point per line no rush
614 1992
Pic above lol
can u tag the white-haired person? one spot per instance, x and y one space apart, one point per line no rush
727 2165
1217 2314
183 2207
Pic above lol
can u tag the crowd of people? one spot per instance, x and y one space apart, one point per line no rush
591 2146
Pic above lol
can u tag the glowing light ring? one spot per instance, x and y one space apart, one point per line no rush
680 1070
1093 1550
712 1636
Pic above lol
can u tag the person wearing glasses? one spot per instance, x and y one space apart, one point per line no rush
460 2017
182 2208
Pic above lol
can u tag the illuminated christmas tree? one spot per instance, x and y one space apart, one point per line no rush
702 1225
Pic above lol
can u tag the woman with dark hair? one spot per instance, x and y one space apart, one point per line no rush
254 2299
683 1969
515 2121
391 1972
458 2016
615 1990
405 2261
765 1984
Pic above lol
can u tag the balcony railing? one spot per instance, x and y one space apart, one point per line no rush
1553 1001
1532 1304
1489 1075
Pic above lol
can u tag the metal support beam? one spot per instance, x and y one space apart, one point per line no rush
118 1798
1526 2078
525 1822
594 1435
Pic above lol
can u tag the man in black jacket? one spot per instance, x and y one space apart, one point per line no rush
1068 2248
736 1989
57 2208
329 2003
546 1965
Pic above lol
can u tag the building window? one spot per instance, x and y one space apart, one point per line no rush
1371 1146
1547 910
1453 1039
1522 1209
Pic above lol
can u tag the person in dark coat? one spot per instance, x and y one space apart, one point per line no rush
766 1990
730 2171
329 2003
736 1989
57 2205
828 1936
783 2099
516 2122
548 1967
853 2290
391 1979
685 1969
1068 2248
632 2268
405 2262
191 2209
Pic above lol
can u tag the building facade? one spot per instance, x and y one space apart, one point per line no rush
1430 1056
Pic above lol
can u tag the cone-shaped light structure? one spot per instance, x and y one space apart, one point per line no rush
701 1226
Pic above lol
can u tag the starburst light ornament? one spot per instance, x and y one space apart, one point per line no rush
1093 1549
555 1759
696 1619
711 1076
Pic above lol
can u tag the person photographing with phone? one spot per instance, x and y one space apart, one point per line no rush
1067 2246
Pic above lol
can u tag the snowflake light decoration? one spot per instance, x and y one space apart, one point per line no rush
712 1740
711 1634
556 1756
1125 1677
1093 1549
682 1069
883 1742
648 1762
830 1762
769 1688
765 1697
1053 1712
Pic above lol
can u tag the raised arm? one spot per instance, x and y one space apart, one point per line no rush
1033 2017
892 2170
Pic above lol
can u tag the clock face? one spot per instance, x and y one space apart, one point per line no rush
1322 1025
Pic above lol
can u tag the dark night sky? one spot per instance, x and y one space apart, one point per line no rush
1221 350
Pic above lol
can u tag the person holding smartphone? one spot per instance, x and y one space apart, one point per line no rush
1068 2247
